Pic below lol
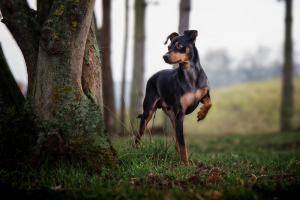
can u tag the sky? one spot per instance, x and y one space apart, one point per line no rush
237 26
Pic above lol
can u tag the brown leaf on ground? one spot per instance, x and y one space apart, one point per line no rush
214 194
56 188
213 179
166 197
217 195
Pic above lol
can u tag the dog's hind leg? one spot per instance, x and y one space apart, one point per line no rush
149 108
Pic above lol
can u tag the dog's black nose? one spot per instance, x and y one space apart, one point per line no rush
166 56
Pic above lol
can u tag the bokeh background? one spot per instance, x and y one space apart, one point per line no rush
241 47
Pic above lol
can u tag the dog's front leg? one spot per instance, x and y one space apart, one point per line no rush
180 138
205 108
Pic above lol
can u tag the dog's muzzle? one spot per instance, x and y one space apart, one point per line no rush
166 57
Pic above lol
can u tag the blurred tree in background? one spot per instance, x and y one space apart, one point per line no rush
124 69
137 84
184 15
287 102
104 42
184 18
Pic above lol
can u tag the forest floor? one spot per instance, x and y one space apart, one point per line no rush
257 166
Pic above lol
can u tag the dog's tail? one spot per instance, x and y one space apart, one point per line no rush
140 116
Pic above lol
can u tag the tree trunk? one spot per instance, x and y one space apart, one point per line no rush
184 15
184 18
137 84
124 69
287 103
108 90
66 98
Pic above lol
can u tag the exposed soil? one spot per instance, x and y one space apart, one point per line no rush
283 146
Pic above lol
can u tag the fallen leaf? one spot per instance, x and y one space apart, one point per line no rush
131 183
56 188
217 195
213 179
254 176
262 169
166 197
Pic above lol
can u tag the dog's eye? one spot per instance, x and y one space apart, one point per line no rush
179 46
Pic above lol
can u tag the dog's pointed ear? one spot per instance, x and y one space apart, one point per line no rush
190 34
171 37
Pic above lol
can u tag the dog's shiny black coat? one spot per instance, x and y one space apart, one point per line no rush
170 85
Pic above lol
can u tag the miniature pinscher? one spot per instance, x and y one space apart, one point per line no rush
177 91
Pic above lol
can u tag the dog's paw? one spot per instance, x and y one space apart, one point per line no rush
200 115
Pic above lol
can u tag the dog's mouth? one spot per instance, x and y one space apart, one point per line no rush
172 62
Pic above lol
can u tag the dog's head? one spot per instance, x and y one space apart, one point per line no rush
181 48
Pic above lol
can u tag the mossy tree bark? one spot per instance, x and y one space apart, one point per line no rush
287 103
137 84
108 91
65 90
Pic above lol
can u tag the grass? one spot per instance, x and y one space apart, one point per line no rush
241 109
261 166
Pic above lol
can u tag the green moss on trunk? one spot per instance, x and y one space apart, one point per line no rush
82 150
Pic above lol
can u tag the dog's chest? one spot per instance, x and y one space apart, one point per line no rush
190 100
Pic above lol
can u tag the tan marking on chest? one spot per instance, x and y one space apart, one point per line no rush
192 98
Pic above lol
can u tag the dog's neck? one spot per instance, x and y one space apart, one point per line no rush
191 70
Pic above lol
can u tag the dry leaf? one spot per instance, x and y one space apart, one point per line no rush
166 197
56 188
131 183
213 179
217 195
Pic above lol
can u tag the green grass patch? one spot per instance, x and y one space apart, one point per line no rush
265 166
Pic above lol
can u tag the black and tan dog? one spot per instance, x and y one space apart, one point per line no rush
178 91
